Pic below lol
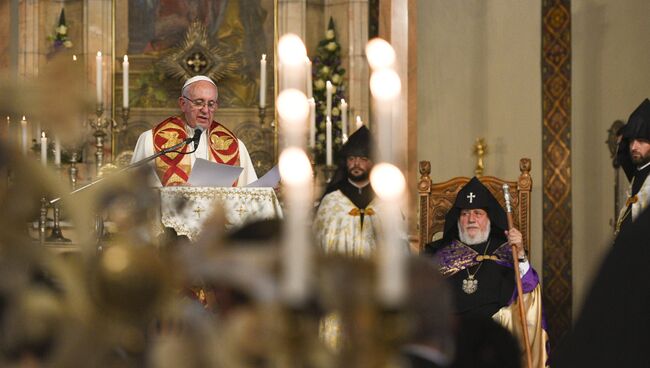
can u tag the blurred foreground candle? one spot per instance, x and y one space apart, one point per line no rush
125 82
292 54
385 87
293 110
312 123
296 173
263 81
43 149
329 89
23 135
328 141
380 54
388 183
98 77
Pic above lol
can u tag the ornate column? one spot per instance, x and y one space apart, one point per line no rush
29 50
556 148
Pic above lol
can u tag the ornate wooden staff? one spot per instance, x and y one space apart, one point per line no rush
520 293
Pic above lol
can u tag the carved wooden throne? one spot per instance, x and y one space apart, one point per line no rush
435 200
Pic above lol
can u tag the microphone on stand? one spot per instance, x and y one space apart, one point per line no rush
197 137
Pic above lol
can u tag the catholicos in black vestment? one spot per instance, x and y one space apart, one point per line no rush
475 254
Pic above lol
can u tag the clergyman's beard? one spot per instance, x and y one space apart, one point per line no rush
358 178
479 238
642 160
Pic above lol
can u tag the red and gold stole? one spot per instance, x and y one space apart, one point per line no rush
174 168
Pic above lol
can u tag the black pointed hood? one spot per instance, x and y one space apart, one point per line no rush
359 144
476 195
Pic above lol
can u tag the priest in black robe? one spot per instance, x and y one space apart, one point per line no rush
346 218
634 157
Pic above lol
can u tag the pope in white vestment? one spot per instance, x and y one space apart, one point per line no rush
198 102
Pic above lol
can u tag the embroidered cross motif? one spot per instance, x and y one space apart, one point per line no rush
471 197
198 211
241 210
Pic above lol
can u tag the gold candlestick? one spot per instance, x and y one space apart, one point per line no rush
480 148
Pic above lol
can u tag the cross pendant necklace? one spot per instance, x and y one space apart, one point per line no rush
470 284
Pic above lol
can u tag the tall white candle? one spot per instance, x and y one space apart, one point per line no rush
263 81
292 54
293 111
8 129
310 92
329 88
98 77
344 118
43 149
296 173
125 82
359 122
57 151
312 123
328 141
389 184
23 135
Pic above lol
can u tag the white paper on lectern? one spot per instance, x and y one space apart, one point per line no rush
270 179
211 174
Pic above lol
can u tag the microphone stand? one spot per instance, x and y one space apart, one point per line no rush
99 225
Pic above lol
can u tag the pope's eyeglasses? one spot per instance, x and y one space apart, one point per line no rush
199 103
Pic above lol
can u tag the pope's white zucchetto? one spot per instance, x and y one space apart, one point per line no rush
197 78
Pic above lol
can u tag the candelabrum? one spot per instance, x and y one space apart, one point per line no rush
99 125
42 220
56 235
343 325
73 170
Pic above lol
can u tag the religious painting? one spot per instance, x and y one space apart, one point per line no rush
171 40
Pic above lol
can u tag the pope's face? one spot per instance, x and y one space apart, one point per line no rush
474 222
640 151
199 103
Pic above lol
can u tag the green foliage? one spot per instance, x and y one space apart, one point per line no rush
327 66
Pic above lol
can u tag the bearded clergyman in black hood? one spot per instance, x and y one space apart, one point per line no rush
634 157
346 218
475 255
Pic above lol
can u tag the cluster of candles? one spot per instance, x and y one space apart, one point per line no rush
100 77
23 135
294 109
329 88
